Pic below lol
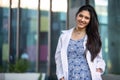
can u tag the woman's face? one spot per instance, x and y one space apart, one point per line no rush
83 19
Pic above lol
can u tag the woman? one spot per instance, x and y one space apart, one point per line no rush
78 55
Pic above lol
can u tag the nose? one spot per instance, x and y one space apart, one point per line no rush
82 19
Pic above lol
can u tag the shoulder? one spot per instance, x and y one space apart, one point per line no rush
67 31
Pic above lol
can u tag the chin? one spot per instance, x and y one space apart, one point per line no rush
81 27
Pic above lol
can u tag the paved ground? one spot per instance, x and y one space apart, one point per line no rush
111 77
105 77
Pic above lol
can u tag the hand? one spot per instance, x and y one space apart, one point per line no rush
62 78
99 70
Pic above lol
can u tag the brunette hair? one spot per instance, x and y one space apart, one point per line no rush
93 42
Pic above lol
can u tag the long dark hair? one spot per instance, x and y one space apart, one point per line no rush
93 42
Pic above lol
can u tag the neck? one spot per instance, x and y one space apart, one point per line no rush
80 31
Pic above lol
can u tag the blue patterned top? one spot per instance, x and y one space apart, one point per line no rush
78 68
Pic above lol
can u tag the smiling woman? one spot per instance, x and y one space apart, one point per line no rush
81 43
35 25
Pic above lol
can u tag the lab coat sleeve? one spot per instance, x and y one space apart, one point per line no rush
59 69
100 62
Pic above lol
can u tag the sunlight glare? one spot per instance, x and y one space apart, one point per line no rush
45 5
4 3
14 3
101 2
31 4
59 5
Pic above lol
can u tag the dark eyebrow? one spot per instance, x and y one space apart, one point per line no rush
87 17
81 15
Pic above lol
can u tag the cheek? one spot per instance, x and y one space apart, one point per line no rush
88 21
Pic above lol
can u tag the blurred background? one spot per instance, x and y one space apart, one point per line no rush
29 31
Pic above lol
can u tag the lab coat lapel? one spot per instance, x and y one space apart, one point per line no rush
65 42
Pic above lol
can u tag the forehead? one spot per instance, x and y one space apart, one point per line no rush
85 12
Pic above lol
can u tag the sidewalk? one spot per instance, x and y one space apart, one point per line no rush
34 76
111 77
21 76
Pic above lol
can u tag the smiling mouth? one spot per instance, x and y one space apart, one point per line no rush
81 23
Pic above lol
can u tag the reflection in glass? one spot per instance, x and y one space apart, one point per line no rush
58 23
44 25
28 31
113 36
4 26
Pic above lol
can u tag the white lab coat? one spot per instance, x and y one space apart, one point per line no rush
62 62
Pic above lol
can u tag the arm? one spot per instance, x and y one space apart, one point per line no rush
59 70
100 63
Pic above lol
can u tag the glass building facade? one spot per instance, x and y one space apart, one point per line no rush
33 27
